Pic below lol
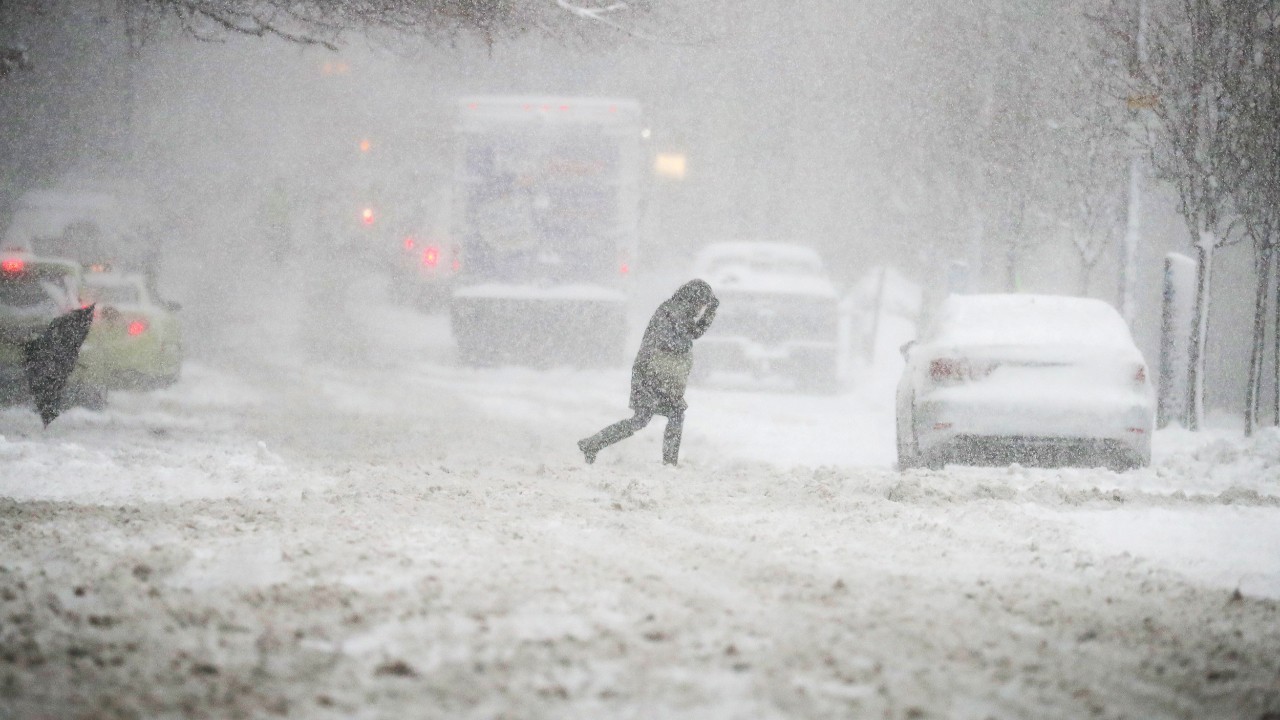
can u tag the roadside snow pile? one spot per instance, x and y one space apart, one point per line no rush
1222 464
161 471
187 442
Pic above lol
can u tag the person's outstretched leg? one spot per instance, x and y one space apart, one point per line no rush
671 439
620 430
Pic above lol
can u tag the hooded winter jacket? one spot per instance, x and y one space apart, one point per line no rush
662 366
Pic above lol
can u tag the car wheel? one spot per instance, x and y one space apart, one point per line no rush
1125 463
906 460
90 397
907 457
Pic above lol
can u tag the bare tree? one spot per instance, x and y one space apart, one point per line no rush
1090 160
1095 212
1254 91
329 24
1191 52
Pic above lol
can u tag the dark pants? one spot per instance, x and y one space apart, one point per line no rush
624 429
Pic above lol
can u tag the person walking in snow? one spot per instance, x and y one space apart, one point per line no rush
661 370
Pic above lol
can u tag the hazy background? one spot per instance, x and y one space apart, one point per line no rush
911 134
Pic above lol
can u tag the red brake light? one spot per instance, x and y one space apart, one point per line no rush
950 370
409 243
366 216
944 369
624 268
137 327
13 265
430 257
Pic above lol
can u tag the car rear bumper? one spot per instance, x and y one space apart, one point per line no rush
1036 432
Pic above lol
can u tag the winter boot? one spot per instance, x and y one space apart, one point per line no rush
588 452
671 439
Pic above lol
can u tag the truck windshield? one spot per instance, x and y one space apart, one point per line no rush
541 202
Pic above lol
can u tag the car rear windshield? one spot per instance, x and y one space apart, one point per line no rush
25 292
112 294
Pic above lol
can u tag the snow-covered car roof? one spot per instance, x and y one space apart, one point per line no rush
764 267
1017 319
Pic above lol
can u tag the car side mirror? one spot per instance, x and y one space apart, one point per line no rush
906 348
172 306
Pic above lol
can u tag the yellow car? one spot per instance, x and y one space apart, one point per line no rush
135 342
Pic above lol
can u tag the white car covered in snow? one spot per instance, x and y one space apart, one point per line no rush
778 314
1034 379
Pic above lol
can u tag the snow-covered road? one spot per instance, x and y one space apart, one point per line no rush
356 533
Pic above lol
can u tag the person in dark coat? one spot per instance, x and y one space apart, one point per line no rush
661 370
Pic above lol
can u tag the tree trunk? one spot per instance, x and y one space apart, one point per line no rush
1132 238
1275 355
1257 349
1199 328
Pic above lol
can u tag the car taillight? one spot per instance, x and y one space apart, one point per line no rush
137 327
430 257
945 371
409 243
13 266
